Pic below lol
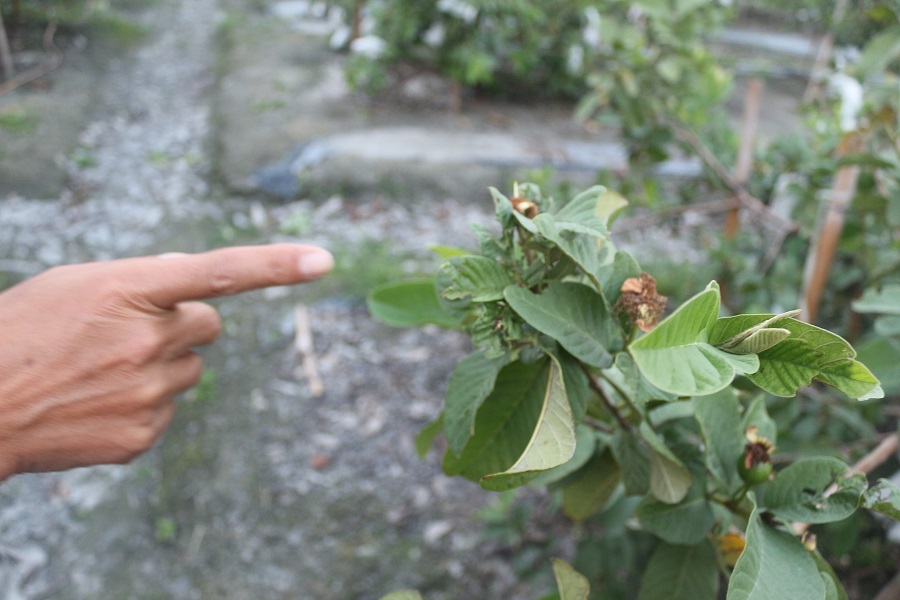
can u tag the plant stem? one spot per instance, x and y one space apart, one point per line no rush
732 505
612 408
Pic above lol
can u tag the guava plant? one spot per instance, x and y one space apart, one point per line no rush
577 382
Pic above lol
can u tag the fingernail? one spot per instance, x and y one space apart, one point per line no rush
315 263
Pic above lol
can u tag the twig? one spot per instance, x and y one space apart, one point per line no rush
744 164
709 159
37 71
774 250
823 55
821 255
878 456
303 344
708 207
613 409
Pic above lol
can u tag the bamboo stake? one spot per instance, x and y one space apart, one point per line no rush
821 256
823 55
749 124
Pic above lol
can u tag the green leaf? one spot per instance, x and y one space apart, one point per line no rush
887 326
670 480
719 418
591 488
612 275
799 492
626 375
505 422
585 446
681 573
757 416
884 498
885 301
787 367
582 213
809 353
764 333
552 442
687 522
833 588
634 459
447 252
426 437
403 595
609 205
774 565
477 278
878 53
761 340
676 358
882 356
578 388
756 341
409 304
572 584
851 377
589 253
571 313
471 382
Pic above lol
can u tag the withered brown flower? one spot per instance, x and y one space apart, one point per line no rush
641 302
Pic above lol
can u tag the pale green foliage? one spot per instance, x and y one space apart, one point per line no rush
572 584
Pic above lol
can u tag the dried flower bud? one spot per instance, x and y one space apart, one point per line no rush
525 207
755 463
641 302
809 541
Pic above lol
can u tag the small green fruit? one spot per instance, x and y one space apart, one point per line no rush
753 474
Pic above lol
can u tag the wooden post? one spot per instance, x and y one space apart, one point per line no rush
823 54
6 63
821 255
744 165
742 170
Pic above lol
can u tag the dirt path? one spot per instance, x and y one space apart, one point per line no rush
260 489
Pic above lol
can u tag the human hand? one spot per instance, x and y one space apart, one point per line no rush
92 355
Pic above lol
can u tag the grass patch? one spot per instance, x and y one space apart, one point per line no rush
18 121
359 269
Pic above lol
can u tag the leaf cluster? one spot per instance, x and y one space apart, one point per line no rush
508 47
562 390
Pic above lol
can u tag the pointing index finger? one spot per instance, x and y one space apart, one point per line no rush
180 278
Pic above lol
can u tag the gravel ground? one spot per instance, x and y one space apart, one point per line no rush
261 489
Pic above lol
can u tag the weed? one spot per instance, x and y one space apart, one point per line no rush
267 104
18 121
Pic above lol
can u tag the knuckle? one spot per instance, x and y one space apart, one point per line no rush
138 439
144 430
145 347
222 281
